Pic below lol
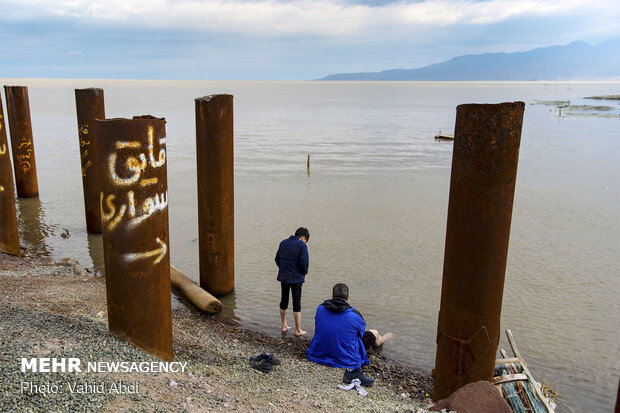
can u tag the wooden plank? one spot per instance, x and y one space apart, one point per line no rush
509 360
510 377
513 344
537 389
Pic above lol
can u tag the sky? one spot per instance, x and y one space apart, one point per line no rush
278 39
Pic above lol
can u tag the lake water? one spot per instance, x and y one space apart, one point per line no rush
375 204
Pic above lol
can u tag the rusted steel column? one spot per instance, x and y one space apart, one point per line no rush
9 235
214 153
89 105
18 110
484 170
134 196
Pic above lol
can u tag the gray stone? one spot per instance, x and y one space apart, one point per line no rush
478 397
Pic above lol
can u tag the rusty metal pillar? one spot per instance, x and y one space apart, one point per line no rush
131 155
9 234
89 105
18 109
484 170
214 153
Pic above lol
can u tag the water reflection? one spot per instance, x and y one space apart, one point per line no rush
95 250
229 305
32 223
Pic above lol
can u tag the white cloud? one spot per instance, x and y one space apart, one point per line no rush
274 18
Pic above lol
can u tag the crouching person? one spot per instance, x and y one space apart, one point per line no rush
340 337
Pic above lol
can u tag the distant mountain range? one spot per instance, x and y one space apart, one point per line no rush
575 61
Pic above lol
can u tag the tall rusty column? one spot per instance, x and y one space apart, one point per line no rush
214 153
18 109
131 154
89 105
9 234
482 184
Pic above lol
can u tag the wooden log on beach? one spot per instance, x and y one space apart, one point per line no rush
199 297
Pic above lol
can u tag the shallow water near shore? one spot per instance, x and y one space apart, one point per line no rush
375 204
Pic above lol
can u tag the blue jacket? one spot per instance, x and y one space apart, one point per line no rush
338 332
292 260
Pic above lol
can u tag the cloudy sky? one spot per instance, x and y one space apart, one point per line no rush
278 39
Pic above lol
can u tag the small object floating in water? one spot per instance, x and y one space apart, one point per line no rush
443 137
65 234
513 378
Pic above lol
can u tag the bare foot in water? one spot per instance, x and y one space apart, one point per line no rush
387 336
299 333
285 328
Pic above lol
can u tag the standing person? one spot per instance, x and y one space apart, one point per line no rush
292 261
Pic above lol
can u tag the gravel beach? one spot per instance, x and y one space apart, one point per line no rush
58 310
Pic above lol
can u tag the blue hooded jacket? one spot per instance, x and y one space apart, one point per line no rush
338 332
292 261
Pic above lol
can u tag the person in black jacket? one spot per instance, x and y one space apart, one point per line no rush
292 260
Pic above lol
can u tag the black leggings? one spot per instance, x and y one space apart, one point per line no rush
296 289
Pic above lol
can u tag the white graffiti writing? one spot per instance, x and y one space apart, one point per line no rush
127 166
132 164
160 253
162 151
158 202
137 165
111 217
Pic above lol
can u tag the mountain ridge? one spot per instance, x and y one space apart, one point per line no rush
578 60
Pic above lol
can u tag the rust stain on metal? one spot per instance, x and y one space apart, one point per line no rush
214 152
18 110
9 234
484 170
90 106
135 230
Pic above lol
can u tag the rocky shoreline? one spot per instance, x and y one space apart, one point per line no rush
59 310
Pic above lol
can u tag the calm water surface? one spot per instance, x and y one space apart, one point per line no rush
375 204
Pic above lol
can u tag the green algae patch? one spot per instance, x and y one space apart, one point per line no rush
607 97
555 103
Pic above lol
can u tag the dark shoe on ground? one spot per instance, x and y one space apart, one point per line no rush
273 360
260 364
268 357
349 375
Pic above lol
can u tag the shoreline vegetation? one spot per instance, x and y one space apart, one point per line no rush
565 107
58 310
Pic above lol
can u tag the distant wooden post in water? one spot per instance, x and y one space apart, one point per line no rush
90 106
18 110
484 170
214 153
132 173
9 234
